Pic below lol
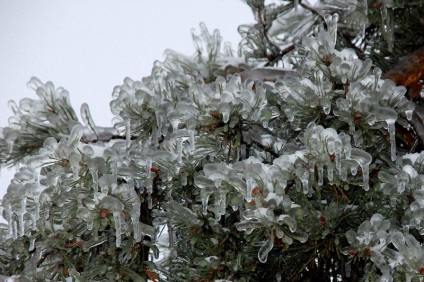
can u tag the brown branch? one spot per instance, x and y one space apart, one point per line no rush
43 257
313 11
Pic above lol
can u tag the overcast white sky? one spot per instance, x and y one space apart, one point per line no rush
89 46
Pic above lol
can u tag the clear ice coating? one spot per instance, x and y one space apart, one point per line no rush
118 228
116 206
265 249
88 120
76 134
364 159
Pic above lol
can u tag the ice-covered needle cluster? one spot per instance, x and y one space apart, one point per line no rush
193 148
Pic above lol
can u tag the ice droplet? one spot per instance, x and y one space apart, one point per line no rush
117 219
266 248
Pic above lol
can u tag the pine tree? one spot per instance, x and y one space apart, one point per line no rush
298 160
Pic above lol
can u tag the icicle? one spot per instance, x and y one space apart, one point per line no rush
351 128
171 236
364 159
296 4
137 230
223 204
21 214
205 200
305 186
353 170
37 172
10 145
225 109
320 169
179 143
117 219
183 179
149 199
95 178
311 169
242 152
401 187
192 140
149 189
9 217
218 142
331 146
31 244
266 248
408 114
104 189
155 138
391 128
74 160
348 268
358 138
128 132
305 181
343 173
15 229
249 189
338 159
34 219
330 173
148 166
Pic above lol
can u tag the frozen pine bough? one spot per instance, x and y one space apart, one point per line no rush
252 177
